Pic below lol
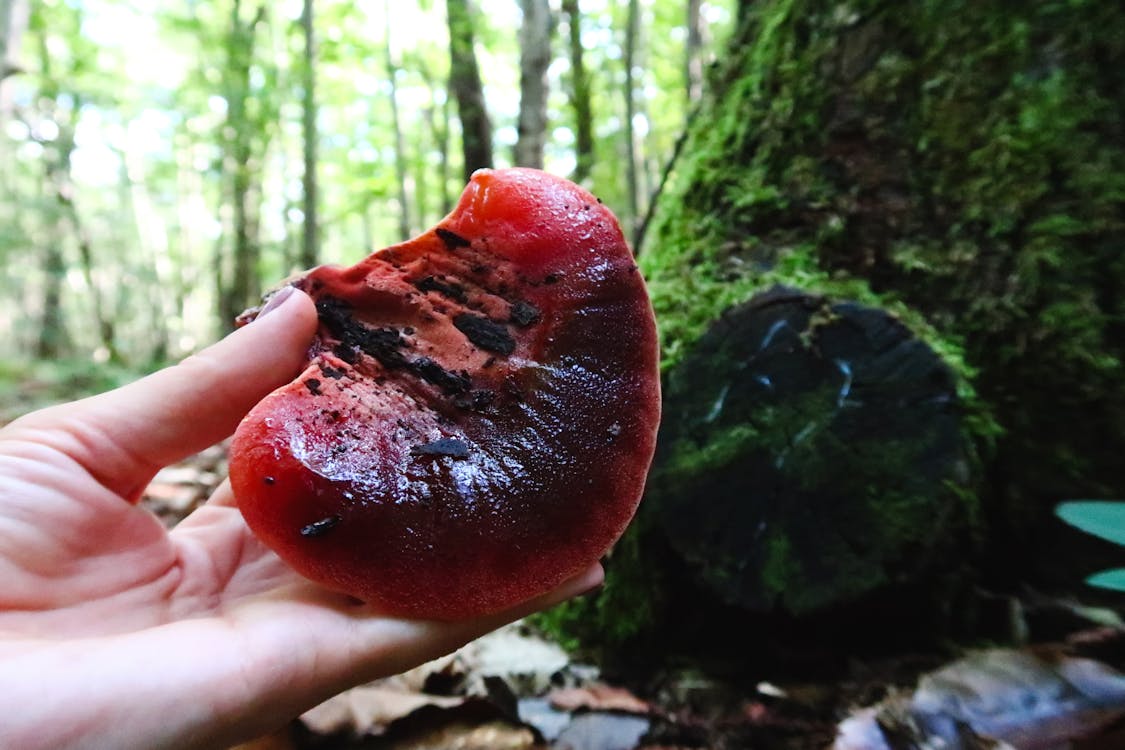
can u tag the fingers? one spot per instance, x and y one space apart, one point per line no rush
124 436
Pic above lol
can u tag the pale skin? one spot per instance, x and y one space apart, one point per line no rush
117 633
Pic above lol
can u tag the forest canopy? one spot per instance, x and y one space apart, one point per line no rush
154 159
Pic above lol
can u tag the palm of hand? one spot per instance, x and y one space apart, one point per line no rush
219 638
81 559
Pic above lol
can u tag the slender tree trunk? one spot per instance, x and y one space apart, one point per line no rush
243 287
464 79
579 95
535 57
693 52
53 339
437 118
396 123
310 249
152 235
64 193
632 23
53 336
13 22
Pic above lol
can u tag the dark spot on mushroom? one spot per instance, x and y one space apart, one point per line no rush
268 480
432 372
313 385
345 353
452 240
321 527
485 333
524 313
552 278
451 447
431 284
383 344
329 371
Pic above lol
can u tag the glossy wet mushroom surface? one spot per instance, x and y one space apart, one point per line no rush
478 414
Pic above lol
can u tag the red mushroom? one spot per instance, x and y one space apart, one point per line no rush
478 414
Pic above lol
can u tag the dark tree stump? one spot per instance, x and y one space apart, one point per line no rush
811 454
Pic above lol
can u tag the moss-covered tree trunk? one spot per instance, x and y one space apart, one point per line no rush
958 164
961 163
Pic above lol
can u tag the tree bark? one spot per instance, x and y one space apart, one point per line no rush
465 81
13 23
579 95
310 250
53 339
535 57
693 52
243 286
632 30
938 165
958 184
396 124
437 120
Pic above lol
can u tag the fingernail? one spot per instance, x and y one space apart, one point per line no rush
276 300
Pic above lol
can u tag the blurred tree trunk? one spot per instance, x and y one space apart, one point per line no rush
13 22
53 337
310 250
535 57
693 52
396 124
632 24
152 237
437 120
962 169
977 185
579 95
243 137
464 79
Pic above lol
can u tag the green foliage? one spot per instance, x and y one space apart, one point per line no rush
632 599
1100 518
27 385
1109 579
175 103
1104 519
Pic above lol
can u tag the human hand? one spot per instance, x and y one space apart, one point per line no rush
117 633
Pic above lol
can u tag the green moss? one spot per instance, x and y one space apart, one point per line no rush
956 163
624 611
779 570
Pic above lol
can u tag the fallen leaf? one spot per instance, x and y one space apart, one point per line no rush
369 710
598 697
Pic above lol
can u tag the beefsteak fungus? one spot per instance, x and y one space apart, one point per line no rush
478 414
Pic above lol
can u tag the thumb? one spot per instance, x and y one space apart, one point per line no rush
124 436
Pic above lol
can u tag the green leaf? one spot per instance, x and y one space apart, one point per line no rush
1109 579
1105 519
